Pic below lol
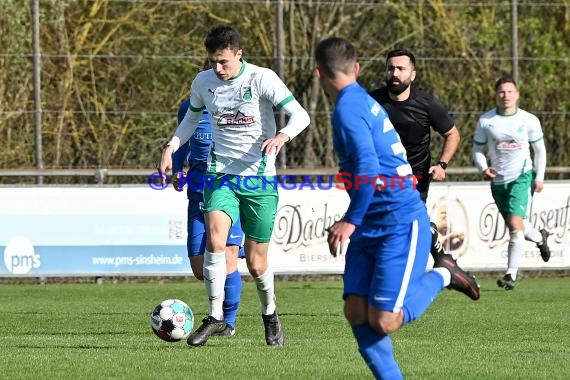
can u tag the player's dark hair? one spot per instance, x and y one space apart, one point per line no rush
506 78
222 37
400 53
335 55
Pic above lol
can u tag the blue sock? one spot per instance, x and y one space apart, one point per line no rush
376 350
422 295
232 291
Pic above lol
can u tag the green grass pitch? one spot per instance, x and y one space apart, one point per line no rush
87 331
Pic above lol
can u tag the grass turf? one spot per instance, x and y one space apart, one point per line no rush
103 331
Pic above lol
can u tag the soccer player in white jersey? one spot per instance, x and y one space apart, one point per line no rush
504 136
241 181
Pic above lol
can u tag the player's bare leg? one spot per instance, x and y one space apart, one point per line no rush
256 257
218 224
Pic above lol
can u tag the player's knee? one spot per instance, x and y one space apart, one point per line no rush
386 323
354 317
198 273
256 265
355 310
216 243
256 269
232 258
256 262
197 265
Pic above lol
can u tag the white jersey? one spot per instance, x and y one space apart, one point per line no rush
242 116
508 140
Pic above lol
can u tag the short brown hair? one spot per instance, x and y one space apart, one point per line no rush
335 55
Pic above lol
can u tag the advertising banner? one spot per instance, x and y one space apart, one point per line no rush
138 230
62 231
472 229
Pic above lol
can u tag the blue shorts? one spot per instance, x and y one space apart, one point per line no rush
385 264
196 242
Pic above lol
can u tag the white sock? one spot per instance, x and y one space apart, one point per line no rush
266 291
531 233
214 280
516 249
445 274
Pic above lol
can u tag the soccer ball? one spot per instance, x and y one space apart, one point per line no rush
172 320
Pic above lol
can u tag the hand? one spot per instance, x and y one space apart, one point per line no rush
437 173
179 180
490 173
538 186
274 145
166 163
339 234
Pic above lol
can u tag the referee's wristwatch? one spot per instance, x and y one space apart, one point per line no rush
443 164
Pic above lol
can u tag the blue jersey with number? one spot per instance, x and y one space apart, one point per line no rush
372 160
195 151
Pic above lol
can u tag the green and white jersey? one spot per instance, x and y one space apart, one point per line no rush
508 140
242 116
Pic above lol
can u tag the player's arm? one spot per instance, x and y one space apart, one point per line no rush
298 120
443 123
178 159
479 157
180 155
358 142
186 127
182 134
451 140
536 138
273 88
539 150
359 148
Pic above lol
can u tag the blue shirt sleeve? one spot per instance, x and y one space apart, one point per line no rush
360 152
179 156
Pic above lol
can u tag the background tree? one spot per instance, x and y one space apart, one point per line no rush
114 72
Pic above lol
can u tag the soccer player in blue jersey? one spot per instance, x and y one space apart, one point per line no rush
241 99
195 153
386 285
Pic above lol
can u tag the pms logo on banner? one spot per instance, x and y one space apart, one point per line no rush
20 256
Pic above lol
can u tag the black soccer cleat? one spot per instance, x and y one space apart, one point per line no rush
210 326
543 246
506 282
274 335
460 280
436 249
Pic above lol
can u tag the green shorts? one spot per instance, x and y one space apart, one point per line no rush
514 198
251 198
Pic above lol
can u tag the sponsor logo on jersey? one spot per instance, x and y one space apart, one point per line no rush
238 119
508 145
